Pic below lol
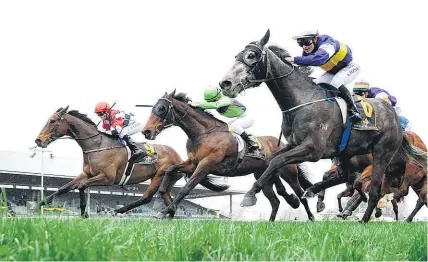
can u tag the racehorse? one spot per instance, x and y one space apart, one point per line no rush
213 149
105 159
312 124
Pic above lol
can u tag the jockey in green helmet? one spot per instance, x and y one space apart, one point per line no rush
235 112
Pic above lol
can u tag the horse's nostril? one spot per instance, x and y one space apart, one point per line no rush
38 142
146 133
225 84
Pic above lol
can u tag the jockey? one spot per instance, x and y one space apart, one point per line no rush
335 58
119 123
232 109
363 89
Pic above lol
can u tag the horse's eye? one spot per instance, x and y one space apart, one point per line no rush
161 109
251 56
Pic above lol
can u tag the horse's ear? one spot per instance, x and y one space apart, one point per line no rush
173 93
63 111
265 38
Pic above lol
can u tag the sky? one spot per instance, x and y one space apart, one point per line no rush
57 53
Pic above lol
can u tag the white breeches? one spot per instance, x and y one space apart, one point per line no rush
343 77
239 124
131 129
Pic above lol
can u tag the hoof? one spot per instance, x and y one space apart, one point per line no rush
293 201
362 221
160 215
85 215
311 218
407 221
378 213
320 206
249 200
158 205
308 194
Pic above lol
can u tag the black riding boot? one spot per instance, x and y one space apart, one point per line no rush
136 152
346 95
252 145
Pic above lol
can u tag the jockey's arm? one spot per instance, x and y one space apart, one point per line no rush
223 101
117 125
320 57
384 96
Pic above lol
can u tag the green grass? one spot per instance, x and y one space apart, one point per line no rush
133 239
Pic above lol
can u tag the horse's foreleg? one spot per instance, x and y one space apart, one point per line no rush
65 188
186 167
98 180
200 173
274 201
302 153
293 181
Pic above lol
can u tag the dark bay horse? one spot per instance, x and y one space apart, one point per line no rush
212 149
312 125
105 158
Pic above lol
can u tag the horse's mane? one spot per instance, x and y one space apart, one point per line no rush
81 116
282 54
182 97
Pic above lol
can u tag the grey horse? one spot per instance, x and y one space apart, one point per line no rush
312 124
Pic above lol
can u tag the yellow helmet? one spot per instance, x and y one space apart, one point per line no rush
362 86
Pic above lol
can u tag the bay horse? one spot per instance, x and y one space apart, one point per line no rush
312 124
105 159
213 149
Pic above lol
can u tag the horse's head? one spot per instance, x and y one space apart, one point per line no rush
249 65
161 117
55 127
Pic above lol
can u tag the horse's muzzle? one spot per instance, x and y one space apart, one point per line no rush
148 134
38 142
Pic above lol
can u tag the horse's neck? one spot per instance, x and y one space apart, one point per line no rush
196 123
88 137
292 90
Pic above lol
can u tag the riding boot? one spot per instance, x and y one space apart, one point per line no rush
346 95
252 145
136 152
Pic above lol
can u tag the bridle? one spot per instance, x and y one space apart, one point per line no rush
259 68
169 114
72 135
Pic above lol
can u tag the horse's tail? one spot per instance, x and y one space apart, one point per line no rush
412 152
302 174
209 182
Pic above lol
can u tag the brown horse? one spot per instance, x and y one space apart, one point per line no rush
364 182
213 149
105 159
399 172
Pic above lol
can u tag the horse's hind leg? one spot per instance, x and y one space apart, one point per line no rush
395 208
382 155
346 193
321 195
148 195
